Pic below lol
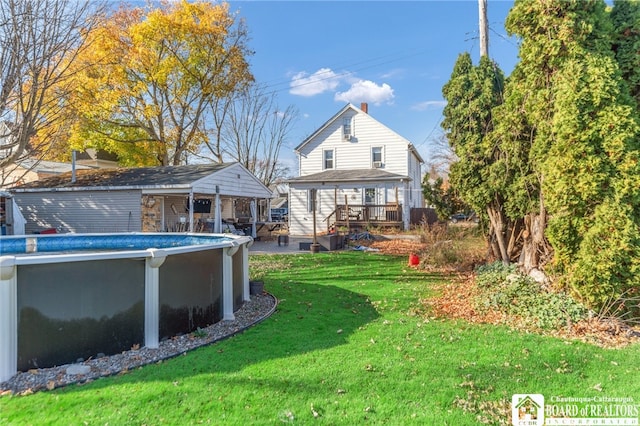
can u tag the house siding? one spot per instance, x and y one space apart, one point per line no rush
355 153
81 211
415 186
300 220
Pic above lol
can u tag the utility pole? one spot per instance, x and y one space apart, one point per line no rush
484 28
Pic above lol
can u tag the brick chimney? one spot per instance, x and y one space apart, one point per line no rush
364 107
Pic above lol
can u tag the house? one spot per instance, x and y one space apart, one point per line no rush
31 169
362 173
279 202
97 158
148 199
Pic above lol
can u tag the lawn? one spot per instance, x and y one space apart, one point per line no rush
350 343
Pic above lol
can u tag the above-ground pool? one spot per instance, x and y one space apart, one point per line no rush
70 297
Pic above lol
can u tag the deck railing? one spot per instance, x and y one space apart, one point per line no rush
360 215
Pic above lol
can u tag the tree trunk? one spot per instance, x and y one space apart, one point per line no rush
535 247
498 225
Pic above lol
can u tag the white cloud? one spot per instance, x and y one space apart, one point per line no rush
366 91
429 105
303 84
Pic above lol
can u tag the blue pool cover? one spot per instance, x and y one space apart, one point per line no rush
93 242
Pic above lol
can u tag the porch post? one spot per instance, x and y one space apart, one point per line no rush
335 211
346 207
315 247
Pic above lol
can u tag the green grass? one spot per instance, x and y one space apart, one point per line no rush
348 344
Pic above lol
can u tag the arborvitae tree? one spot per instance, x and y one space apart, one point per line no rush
471 93
578 131
625 17
442 196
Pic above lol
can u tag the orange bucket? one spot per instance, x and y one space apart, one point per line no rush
414 260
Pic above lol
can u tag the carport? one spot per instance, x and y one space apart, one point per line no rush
194 198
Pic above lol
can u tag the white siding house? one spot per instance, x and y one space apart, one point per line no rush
362 172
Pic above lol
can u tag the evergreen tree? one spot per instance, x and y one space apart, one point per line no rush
625 17
556 165
471 94
579 135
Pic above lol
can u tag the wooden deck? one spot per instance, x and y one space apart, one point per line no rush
355 217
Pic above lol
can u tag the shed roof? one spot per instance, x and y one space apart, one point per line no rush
138 177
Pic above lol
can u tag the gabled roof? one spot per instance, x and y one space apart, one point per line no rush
327 124
347 107
139 177
345 176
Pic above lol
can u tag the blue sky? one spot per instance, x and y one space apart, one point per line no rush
394 55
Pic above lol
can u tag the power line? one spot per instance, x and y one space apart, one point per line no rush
431 132
329 70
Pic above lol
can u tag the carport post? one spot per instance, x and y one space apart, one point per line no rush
191 211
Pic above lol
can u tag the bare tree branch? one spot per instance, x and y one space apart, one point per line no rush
38 40
254 132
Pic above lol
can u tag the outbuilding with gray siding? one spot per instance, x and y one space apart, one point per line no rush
147 199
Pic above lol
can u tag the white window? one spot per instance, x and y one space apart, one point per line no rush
328 159
311 199
370 196
376 156
346 128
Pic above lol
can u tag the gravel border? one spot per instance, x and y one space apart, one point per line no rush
252 312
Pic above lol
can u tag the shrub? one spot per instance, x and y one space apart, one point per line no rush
504 289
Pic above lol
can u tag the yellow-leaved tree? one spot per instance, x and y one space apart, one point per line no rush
144 82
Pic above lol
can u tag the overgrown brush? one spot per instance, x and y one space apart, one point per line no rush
625 308
451 246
